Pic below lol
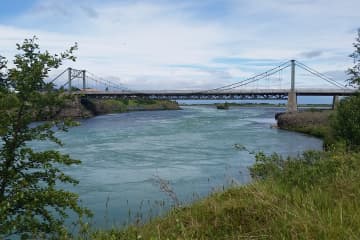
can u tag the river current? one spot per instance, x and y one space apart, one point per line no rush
194 150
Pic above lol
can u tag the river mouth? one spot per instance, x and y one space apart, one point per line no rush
194 149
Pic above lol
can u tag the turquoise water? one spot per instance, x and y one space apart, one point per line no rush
192 148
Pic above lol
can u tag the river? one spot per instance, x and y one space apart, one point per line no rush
193 149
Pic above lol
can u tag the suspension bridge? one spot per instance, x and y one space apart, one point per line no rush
87 84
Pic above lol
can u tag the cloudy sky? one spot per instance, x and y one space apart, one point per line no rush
169 44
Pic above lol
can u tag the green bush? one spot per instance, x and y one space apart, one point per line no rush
304 172
346 123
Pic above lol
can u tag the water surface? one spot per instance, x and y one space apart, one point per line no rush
192 148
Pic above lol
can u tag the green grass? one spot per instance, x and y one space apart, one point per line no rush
313 130
314 196
314 122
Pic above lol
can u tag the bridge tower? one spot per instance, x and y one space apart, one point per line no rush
73 73
292 96
69 77
84 79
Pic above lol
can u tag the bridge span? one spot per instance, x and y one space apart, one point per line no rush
235 94
218 94
238 90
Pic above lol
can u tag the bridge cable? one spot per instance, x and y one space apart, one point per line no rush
245 80
107 82
320 75
254 80
317 73
97 81
58 76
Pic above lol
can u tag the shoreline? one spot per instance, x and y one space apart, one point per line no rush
83 108
314 123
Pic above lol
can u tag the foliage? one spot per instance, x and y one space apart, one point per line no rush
144 101
3 75
31 204
346 121
223 106
304 172
354 72
105 106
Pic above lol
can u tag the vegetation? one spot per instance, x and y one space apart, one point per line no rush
346 123
31 204
316 123
223 106
354 72
103 106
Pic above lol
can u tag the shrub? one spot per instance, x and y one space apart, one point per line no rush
346 123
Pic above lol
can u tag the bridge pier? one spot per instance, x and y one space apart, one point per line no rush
335 102
292 102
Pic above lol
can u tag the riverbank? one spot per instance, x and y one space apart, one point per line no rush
86 108
315 196
312 122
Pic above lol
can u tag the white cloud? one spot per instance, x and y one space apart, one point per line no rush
144 43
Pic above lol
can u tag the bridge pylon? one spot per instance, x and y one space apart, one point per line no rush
69 78
292 96
72 74
84 79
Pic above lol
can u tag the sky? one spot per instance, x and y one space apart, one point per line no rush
170 44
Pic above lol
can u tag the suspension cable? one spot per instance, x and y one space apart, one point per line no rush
257 79
261 75
320 75
333 82
106 82
58 76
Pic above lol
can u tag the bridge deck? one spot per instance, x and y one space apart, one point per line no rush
276 93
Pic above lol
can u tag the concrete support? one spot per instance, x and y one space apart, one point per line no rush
84 79
292 102
69 78
335 102
292 96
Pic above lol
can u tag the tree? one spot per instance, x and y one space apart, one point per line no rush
346 122
31 204
347 117
3 77
354 72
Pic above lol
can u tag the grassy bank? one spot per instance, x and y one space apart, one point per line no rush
313 122
315 196
105 106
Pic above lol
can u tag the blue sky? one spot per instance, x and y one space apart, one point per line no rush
187 44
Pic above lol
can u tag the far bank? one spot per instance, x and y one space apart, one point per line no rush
87 107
